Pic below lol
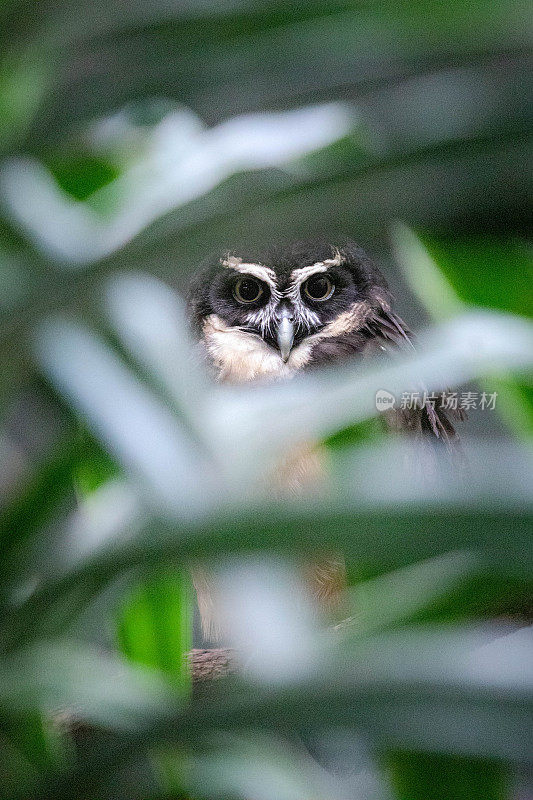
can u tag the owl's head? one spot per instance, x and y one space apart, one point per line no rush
274 313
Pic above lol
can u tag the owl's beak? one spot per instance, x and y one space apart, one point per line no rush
285 333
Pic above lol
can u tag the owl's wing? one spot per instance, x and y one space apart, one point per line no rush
390 328
389 332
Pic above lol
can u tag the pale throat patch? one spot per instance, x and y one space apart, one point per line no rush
240 356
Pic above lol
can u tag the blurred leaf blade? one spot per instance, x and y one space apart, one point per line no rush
396 112
17 108
388 539
487 271
122 411
38 738
421 777
99 688
482 271
401 719
155 625
448 273
397 597
368 41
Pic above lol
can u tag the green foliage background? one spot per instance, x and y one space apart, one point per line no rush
427 691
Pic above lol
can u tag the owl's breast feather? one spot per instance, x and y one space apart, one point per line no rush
240 357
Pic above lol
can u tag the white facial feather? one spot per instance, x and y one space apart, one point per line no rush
350 320
240 356
256 270
301 274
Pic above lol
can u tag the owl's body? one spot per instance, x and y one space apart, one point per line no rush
268 316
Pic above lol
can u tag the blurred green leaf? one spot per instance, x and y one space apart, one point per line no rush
394 686
438 136
81 175
155 625
16 772
386 539
138 429
425 278
498 274
371 430
239 58
39 499
432 777
486 271
39 739
25 79
93 467
398 597
155 630
447 273
515 402
60 676
259 765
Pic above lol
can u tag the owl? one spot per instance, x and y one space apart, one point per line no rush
268 316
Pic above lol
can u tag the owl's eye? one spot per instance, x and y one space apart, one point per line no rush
247 290
318 287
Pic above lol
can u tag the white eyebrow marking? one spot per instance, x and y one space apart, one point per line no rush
309 319
256 270
298 276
